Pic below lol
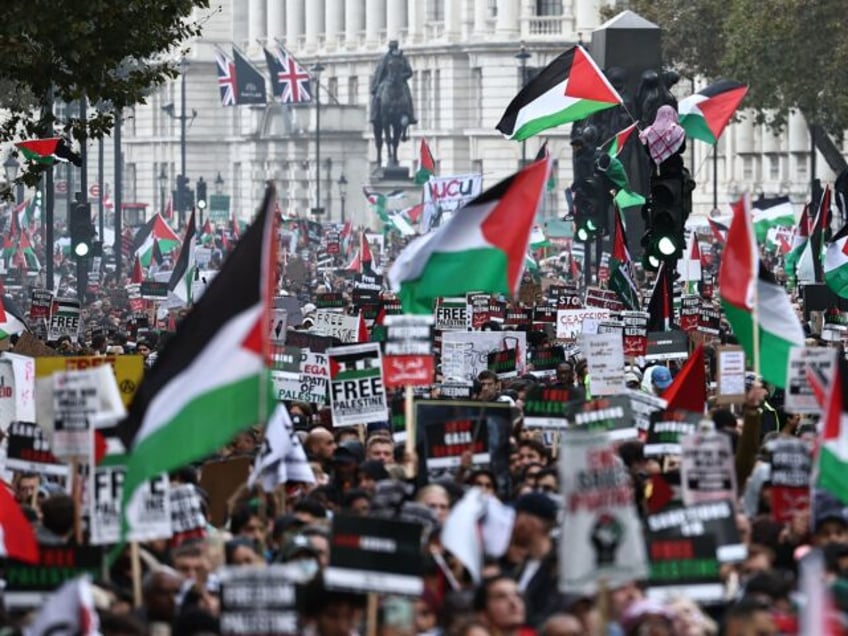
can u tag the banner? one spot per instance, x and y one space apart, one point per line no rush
601 537
335 325
408 351
611 415
466 353
451 314
64 319
707 469
667 345
791 465
667 428
687 547
570 321
357 395
820 361
258 601
605 356
128 369
28 585
28 451
149 515
372 554
444 195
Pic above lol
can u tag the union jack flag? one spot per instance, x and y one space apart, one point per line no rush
289 80
226 79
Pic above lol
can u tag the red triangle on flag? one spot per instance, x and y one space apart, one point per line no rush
17 533
688 392
586 81
718 110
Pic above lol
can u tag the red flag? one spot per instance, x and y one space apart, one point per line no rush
689 389
362 331
365 260
168 212
719 231
137 274
17 538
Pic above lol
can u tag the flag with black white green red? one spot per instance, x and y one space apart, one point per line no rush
617 143
46 151
156 232
357 394
750 296
661 305
10 324
481 248
705 114
832 468
820 232
770 213
182 276
211 380
835 263
570 88
426 164
621 268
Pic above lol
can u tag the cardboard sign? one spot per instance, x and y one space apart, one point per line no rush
128 369
503 363
372 554
258 601
601 537
611 415
819 361
29 585
28 451
709 319
466 354
221 480
667 345
186 509
687 547
730 378
549 407
690 312
451 314
635 333
708 468
335 325
357 395
570 321
791 465
149 515
605 356
64 319
543 362
667 428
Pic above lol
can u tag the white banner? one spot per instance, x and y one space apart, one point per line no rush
466 353
820 361
331 323
149 514
570 321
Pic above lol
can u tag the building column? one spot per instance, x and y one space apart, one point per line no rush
416 12
395 18
354 11
481 16
256 22
586 17
375 20
314 22
507 21
276 20
334 17
453 19
294 22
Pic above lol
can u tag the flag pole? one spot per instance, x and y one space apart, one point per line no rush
135 569
755 325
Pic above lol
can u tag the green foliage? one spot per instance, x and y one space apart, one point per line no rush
113 52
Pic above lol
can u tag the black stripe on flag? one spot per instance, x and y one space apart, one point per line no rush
720 86
180 267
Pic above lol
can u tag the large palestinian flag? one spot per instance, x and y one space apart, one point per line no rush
46 151
211 380
570 88
481 248
155 232
835 263
621 268
748 293
705 114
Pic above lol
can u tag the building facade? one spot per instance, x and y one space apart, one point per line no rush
464 54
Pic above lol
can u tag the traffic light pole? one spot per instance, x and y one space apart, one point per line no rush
587 263
183 116
82 263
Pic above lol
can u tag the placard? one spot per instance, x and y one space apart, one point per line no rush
42 301
128 369
709 319
330 300
357 395
451 314
148 515
549 406
611 415
29 585
570 321
642 405
466 353
154 290
366 288
23 368
75 401
791 465
667 428
186 509
478 309
605 356
373 554
258 600
28 451
707 469
730 376
335 325
819 361
504 363
635 333
667 345
601 537
690 312
543 361
64 319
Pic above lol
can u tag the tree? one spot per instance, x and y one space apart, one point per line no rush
113 53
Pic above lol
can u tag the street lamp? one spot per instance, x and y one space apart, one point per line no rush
219 184
522 57
316 73
342 183
10 169
163 185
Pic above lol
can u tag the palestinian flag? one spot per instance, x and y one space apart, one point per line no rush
621 138
833 452
748 293
614 171
17 536
378 201
538 240
25 254
719 231
10 325
769 213
156 232
426 164
11 238
544 153
689 267
211 380
46 151
820 233
137 276
570 88
621 268
207 235
661 304
835 263
705 114
182 276
799 244
688 392
481 248
414 213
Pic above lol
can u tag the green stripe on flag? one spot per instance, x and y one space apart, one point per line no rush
696 127
579 110
833 473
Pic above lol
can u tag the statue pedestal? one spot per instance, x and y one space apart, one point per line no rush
393 173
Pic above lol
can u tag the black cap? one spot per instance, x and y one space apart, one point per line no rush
538 505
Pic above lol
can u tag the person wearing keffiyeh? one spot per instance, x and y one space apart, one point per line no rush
665 136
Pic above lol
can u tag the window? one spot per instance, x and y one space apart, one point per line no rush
747 168
333 89
436 11
437 101
352 90
476 166
801 167
548 7
475 104
129 183
493 8
774 167
425 110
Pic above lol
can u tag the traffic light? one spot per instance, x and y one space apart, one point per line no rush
591 207
665 214
182 189
201 194
82 230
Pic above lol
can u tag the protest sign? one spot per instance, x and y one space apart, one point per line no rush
148 515
258 601
709 319
366 288
549 407
570 321
791 465
666 429
611 415
186 509
372 554
545 360
707 469
517 317
330 300
667 345
504 363
690 312
635 333
604 299
23 368
64 319
357 395
456 390
445 195
312 341
300 375
75 400
466 353
278 325
335 325
27 450
687 546
730 376
529 292
447 440
42 301
451 314
478 309
154 290
221 480
605 356
601 537
28 585
818 361
8 402
128 369
642 405
408 350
